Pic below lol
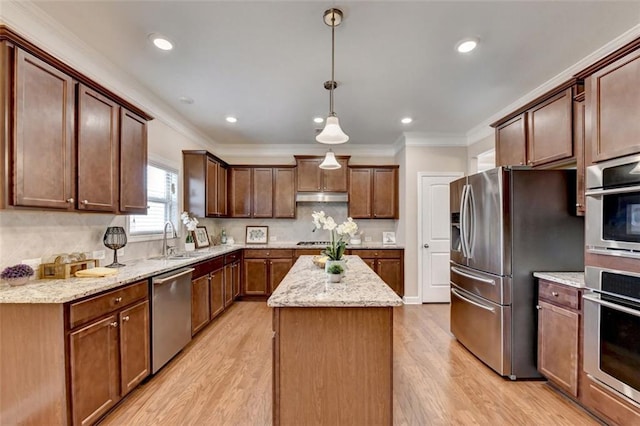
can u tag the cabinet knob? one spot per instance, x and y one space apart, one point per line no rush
267 253
270 263
530 162
70 200
522 163
375 254
114 324
118 299
578 205
538 307
554 293
125 318
85 202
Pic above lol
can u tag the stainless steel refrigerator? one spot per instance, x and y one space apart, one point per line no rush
507 223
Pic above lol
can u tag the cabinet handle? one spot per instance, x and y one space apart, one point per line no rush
118 299
554 293
125 318
521 163
267 253
85 202
70 200
578 205
114 324
530 162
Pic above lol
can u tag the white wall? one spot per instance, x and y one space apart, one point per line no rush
483 145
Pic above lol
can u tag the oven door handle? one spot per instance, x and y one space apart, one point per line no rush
613 306
601 192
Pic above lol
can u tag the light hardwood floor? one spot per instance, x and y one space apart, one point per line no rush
224 378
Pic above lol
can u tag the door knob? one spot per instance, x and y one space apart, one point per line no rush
426 246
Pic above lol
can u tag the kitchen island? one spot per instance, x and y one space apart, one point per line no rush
333 346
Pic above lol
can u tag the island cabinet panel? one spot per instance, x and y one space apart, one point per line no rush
134 346
133 163
311 178
200 300
550 130
218 292
347 352
511 142
42 151
284 192
613 98
97 151
262 189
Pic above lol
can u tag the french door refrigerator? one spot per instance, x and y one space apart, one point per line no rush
507 223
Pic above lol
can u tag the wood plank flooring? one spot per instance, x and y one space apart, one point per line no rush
224 378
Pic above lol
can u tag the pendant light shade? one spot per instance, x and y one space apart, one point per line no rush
330 162
332 133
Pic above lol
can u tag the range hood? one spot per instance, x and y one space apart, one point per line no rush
322 197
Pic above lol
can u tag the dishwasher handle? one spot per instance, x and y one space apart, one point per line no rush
172 277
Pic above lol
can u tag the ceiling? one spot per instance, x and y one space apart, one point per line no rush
265 62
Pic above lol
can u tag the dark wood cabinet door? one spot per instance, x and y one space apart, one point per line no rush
284 193
371 263
262 192
222 190
240 191
194 182
237 279
256 277
228 285
94 370
385 193
42 151
550 132
278 268
511 142
360 193
135 349
309 174
199 303
558 331
580 149
218 278
613 95
391 272
336 180
133 163
97 151
212 188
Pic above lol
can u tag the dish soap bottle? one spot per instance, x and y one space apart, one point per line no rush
223 237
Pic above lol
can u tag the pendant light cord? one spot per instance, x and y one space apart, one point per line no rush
333 47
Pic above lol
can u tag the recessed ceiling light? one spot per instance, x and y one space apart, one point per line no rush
231 119
467 45
406 120
186 100
160 41
318 120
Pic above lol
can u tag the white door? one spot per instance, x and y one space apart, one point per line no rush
435 229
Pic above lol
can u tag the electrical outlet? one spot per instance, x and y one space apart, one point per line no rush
367 239
99 254
273 238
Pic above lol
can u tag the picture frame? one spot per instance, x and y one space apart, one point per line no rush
201 237
257 235
389 238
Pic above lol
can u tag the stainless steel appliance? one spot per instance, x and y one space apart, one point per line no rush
612 329
170 315
507 223
613 203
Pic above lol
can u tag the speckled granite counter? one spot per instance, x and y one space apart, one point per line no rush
61 291
306 285
573 279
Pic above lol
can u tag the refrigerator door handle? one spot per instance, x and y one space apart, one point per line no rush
471 276
472 216
466 299
463 222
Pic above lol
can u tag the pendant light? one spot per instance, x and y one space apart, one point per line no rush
332 133
330 162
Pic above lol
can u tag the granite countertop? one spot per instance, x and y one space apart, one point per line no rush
306 285
573 279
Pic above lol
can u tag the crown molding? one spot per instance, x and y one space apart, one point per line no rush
479 133
25 18
434 139
242 150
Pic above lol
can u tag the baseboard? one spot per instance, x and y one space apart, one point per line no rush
411 300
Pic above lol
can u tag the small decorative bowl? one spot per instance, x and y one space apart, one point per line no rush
319 261
14 282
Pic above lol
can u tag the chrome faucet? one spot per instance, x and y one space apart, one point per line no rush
164 236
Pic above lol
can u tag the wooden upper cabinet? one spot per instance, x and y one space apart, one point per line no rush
262 189
222 190
211 187
549 129
97 151
205 184
613 102
284 192
42 149
133 163
511 142
311 178
240 191
373 192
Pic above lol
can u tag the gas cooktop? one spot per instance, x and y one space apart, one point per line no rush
313 243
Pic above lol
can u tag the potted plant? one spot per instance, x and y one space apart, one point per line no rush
337 246
191 223
17 274
335 272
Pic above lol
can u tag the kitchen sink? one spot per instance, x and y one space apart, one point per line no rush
177 256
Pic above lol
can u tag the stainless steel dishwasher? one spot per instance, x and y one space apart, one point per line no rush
170 315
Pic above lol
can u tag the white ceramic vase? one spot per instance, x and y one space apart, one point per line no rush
335 278
189 246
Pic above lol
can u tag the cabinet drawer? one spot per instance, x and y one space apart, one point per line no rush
559 294
267 253
95 307
378 254
204 268
232 257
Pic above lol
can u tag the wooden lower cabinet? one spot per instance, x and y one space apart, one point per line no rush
609 406
264 269
217 291
387 263
256 277
134 346
278 268
210 292
200 300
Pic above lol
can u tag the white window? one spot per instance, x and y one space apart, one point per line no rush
162 202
